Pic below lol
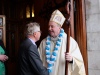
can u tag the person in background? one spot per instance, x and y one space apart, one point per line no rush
3 58
29 58
52 49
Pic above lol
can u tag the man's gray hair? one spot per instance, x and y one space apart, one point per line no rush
32 27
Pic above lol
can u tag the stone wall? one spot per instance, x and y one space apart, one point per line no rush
93 35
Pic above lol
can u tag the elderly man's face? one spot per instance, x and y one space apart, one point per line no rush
54 29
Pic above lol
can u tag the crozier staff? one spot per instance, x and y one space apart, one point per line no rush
68 10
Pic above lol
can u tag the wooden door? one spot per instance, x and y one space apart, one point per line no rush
80 29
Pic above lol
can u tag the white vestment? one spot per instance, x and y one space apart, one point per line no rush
75 68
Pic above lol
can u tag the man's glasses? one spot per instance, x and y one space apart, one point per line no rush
40 31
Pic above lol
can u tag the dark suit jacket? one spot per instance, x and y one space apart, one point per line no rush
29 60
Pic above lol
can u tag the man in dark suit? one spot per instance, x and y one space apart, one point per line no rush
29 58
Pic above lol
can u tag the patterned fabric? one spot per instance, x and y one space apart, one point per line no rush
57 17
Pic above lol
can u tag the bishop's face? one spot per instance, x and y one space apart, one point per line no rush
54 29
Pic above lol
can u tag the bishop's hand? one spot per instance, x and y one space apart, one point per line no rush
68 57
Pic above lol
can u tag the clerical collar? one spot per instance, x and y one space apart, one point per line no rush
54 38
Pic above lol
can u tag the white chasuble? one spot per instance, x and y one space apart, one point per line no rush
75 68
